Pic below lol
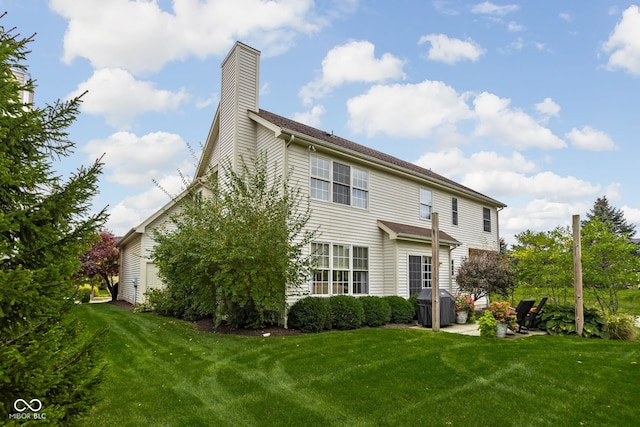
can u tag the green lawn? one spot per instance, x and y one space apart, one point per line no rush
162 372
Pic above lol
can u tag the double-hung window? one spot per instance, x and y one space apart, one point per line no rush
339 183
340 269
425 203
486 219
321 273
454 211
419 273
320 178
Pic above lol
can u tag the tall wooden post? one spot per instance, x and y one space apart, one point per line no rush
435 273
577 274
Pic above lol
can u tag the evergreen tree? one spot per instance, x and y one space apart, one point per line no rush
47 360
611 216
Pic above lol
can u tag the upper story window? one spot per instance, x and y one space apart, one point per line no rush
454 211
486 219
425 203
338 182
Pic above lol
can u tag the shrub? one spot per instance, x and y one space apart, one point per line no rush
561 320
310 314
84 294
377 311
621 327
402 310
413 299
488 324
163 302
346 312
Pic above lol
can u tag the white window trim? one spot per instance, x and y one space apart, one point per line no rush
350 270
330 182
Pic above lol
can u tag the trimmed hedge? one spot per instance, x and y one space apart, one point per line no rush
402 310
346 312
310 314
377 311
413 299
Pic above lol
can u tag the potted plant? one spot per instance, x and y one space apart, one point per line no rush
505 317
464 306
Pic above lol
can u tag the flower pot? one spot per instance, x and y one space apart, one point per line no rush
502 330
461 317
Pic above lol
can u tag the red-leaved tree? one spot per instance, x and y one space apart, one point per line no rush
102 261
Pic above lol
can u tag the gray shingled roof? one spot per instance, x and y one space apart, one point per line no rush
297 127
405 230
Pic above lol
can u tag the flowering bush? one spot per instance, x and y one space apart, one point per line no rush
464 303
503 313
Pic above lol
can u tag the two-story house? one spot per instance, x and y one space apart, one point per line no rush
374 210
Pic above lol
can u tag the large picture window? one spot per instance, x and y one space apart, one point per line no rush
419 273
340 269
339 183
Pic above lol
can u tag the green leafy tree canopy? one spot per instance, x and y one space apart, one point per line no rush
239 249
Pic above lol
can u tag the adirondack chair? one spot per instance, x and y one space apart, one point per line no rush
522 311
533 315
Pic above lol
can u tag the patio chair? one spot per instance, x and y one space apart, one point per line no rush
533 316
522 311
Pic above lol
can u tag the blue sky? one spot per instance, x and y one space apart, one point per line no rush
532 103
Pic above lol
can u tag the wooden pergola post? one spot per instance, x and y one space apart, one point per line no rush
577 274
435 276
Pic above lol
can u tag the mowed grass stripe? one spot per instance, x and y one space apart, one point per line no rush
164 372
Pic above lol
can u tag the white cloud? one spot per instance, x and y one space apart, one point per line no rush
538 215
451 50
310 118
547 185
632 215
565 16
590 139
117 95
406 110
488 8
139 36
133 210
624 43
548 107
352 62
134 160
511 126
514 27
453 163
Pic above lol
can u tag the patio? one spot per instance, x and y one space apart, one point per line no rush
472 329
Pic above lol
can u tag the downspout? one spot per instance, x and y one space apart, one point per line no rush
498 225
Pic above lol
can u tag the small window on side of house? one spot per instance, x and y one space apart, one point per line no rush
454 211
486 219
425 203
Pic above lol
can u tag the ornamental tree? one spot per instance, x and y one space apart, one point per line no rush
237 250
102 261
45 224
485 273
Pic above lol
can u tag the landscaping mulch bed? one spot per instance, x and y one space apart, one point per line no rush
206 325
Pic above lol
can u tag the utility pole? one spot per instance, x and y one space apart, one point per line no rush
435 276
577 274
